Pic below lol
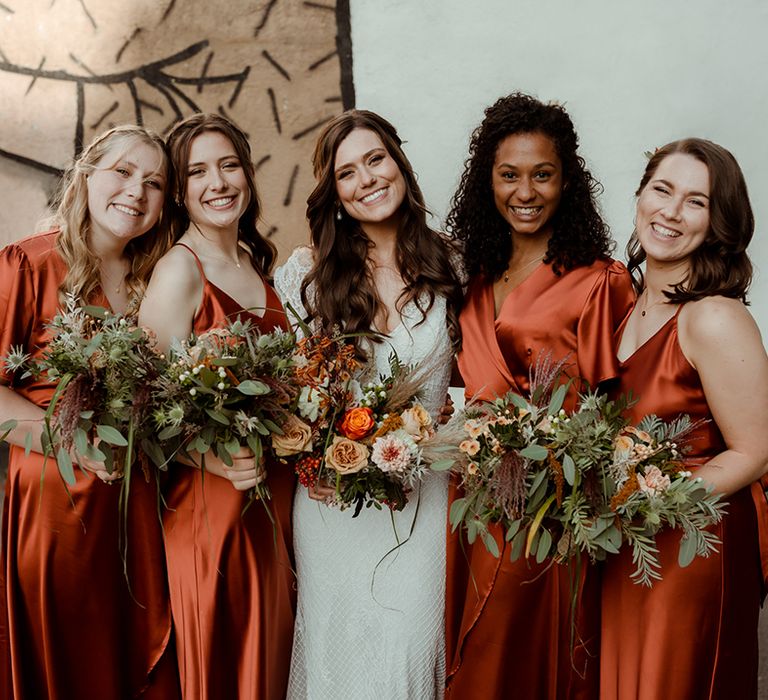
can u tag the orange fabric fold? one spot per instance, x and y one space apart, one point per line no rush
70 626
231 574
693 635
508 624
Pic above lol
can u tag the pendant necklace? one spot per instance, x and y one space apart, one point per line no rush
508 274
647 306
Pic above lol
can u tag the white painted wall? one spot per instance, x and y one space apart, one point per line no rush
633 76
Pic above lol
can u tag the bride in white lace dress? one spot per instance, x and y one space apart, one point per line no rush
370 614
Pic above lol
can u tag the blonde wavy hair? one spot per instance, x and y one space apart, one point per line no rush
72 219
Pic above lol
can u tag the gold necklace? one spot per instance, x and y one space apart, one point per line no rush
106 278
508 274
227 261
647 306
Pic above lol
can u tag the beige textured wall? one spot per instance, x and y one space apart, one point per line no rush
71 68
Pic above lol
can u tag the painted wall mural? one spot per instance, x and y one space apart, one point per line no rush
72 68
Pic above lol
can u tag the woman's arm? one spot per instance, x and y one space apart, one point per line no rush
722 342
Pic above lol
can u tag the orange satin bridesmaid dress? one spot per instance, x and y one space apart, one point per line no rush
693 636
69 626
508 624
231 574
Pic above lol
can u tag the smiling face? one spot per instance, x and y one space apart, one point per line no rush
673 209
369 183
126 191
217 192
527 182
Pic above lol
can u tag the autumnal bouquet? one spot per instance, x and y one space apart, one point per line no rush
103 365
368 441
561 483
221 390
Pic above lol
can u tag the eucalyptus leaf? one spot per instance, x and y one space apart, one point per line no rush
7 426
27 444
169 432
537 453
111 435
687 551
490 542
154 452
545 544
569 469
513 529
64 461
457 512
442 465
223 454
516 548
253 388
81 441
556 402
217 416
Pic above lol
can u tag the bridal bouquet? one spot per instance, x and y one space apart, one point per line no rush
103 366
221 390
562 483
366 441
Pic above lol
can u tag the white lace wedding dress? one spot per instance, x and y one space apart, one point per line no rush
369 621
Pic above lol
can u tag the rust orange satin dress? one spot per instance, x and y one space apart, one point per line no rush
70 628
231 574
693 636
508 624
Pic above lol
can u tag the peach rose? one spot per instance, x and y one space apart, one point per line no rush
417 422
474 427
296 437
346 456
357 423
654 482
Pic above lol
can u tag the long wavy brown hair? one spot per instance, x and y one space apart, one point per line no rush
344 294
262 251
720 265
72 219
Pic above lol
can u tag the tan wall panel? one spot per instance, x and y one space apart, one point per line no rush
71 68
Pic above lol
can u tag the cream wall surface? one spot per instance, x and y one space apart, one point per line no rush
632 75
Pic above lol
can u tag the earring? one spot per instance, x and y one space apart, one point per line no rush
338 214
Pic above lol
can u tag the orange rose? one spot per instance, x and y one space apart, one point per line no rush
346 456
357 423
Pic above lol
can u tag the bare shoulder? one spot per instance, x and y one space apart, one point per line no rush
177 268
715 318
716 326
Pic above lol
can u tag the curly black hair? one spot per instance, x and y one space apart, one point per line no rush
580 236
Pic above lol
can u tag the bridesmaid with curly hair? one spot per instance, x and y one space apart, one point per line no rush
541 282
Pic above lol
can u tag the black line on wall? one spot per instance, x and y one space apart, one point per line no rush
168 11
344 49
264 18
80 127
32 163
319 6
291 185
135 33
275 64
204 72
136 103
34 80
239 87
310 129
88 14
322 60
275 113
114 106
261 162
6 8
